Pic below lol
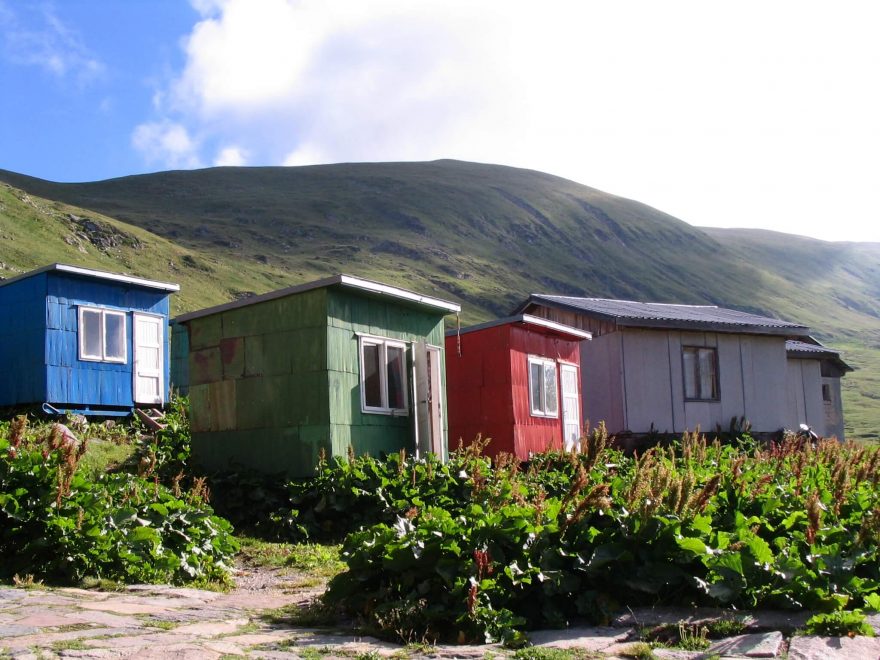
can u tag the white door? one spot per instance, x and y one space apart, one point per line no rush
149 359
571 423
428 400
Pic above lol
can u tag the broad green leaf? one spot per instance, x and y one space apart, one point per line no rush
692 545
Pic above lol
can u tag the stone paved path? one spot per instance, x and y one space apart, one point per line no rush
166 622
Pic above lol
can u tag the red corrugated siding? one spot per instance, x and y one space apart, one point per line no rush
488 388
536 434
478 389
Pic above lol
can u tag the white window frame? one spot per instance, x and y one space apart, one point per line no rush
716 383
103 357
539 408
383 343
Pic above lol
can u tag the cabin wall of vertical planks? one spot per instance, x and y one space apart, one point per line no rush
275 384
488 388
40 341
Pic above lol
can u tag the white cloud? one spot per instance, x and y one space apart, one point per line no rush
753 115
230 157
306 154
34 35
167 144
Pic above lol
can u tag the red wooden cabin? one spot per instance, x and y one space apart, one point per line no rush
515 380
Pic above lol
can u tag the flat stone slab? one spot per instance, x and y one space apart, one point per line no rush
256 601
140 639
7 594
124 608
211 628
590 639
175 592
47 639
51 620
107 619
834 648
755 645
15 629
260 639
178 652
678 654
753 621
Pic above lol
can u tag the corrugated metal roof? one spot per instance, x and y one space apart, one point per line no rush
794 346
336 280
666 315
526 319
97 274
815 350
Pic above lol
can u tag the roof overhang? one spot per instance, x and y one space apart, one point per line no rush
535 322
96 274
787 330
345 281
798 350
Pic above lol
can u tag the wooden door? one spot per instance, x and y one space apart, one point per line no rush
428 400
149 359
571 407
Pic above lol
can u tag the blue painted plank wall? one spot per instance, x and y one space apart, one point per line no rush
71 380
22 317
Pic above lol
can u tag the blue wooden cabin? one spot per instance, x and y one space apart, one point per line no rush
85 341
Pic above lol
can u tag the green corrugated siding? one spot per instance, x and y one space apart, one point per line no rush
179 374
259 393
273 383
351 313
292 451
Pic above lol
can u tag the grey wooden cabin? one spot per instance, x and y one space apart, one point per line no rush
670 368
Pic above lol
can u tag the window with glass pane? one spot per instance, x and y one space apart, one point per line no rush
543 388
114 336
372 381
383 376
102 335
551 396
536 386
700 367
395 376
90 334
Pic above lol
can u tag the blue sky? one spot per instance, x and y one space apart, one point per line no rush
78 76
739 114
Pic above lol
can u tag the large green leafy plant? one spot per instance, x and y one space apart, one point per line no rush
58 524
581 535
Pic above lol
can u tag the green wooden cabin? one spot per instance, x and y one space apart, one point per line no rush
333 364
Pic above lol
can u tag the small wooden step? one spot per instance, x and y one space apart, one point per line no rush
151 417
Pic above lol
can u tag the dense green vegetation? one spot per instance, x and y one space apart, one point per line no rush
65 519
470 550
484 552
483 235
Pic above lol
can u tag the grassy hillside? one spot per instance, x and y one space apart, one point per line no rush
36 232
483 235
486 235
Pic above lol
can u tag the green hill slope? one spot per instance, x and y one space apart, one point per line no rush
484 235
35 232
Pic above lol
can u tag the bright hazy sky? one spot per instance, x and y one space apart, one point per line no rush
733 114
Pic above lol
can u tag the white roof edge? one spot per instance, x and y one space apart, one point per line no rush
553 325
344 280
100 274
378 287
530 320
621 300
